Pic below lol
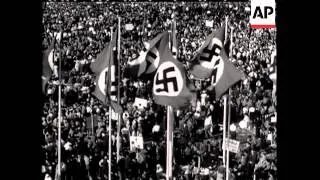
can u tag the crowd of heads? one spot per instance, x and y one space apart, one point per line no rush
86 28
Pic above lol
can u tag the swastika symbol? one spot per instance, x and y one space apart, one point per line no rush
165 81
168 80
211 53
214 72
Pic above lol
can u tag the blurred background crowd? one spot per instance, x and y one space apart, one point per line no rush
197 133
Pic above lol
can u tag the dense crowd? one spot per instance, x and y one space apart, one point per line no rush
197 133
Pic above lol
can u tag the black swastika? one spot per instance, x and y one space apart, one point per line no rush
214 72
166 80
153 56
209 52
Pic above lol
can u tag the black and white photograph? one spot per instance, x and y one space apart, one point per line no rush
158 91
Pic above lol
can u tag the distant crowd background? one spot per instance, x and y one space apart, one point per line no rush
197 133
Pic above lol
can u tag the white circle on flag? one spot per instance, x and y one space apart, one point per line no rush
102 80
168 80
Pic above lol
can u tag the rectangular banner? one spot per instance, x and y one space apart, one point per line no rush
129 27
233 145
140 103
136 142
209 23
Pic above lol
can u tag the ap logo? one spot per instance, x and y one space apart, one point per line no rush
263 14
168 80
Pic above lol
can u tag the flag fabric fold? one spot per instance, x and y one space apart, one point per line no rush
148 60
212 61
204 62
105 69
170 84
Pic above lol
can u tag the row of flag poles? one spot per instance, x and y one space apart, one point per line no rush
158 62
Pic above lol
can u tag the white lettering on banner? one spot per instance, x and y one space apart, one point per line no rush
168 80
233 145
263 14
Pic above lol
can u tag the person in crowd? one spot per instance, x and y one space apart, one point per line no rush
87 28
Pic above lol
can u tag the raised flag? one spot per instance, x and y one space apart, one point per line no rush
170 84
224 75
148 60
212 61
204 62
47 65
105 69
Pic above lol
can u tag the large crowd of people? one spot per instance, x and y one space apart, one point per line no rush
197 129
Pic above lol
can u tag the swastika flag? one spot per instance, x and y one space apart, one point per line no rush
170 84
209 54
148 61
211 61
105 69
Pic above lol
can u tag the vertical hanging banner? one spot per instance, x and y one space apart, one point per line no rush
263 14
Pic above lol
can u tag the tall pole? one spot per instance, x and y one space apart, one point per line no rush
228 133
59 116
119 77
109 146
229 105
169 142
224 129
170 113
109 141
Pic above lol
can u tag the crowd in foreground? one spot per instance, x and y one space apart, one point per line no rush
85 151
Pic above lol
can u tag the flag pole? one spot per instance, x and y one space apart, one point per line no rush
229 105
110 111
59 116
109 146
169 143
170 121
224 129
119 74
228 132
224 114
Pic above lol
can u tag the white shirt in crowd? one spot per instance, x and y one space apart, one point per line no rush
203 99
